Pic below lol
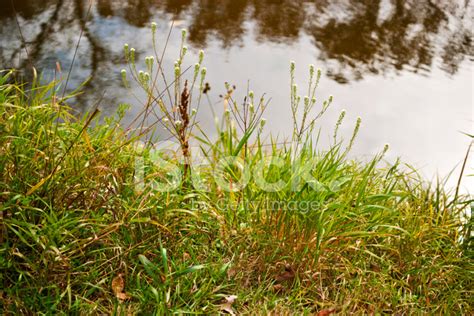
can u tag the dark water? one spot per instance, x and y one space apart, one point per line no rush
405 67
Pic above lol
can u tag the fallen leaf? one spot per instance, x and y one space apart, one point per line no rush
231 272
278 288
122 296
227 305
118 284
287 275
326 312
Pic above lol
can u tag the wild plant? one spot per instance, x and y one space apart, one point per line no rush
169 102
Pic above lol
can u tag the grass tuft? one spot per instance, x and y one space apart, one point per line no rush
86 231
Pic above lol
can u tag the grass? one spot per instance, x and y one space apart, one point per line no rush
87 230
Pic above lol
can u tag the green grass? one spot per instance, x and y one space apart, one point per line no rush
377 239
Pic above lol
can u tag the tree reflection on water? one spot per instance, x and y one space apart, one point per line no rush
353 37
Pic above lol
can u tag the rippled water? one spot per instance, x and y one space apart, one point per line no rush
405 67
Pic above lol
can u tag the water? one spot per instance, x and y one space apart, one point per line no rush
405 67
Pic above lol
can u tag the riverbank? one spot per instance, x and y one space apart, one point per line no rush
93 223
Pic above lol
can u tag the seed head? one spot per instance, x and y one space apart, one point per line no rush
201 56
126 50
292 66
251 107
132 55
123 72
306 100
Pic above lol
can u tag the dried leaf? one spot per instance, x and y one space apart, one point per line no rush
122 296
326 312
232 272
118 284
88 141
38 185
287 275
278 288
227 305
186 256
